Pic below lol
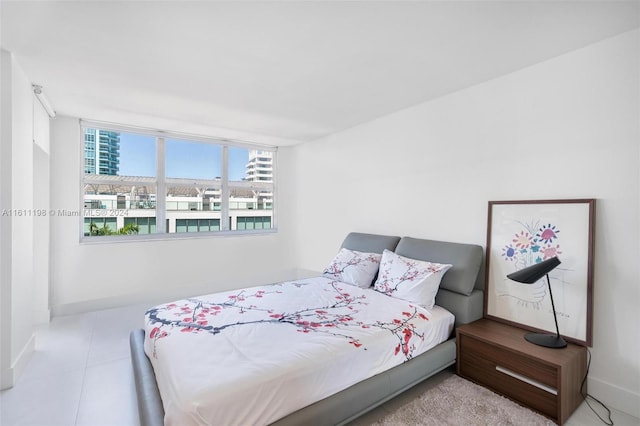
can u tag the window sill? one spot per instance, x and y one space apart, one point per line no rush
114 239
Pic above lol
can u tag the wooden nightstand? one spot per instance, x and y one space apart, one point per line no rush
497 356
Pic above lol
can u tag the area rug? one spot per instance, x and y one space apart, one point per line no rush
456 401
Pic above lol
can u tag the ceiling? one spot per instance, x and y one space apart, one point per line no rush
292 71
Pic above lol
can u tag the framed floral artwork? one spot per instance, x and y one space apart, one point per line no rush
522 233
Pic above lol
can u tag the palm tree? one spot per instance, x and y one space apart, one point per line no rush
128 229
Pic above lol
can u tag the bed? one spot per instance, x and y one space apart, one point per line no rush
337 313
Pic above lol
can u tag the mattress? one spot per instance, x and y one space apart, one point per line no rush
254 355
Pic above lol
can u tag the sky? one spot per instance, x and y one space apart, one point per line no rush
184 159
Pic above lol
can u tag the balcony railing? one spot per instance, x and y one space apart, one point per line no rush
119 205
174 205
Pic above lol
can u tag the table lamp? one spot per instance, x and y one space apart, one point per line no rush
531 275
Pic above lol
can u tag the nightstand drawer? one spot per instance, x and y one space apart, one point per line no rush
499 357
510 374
512 361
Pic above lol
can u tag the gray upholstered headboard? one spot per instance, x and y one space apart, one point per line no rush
370 243
462 287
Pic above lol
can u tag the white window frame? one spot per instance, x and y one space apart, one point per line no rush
162 182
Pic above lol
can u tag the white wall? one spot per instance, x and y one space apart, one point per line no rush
100 275
41 179
6 375
17 254
565 128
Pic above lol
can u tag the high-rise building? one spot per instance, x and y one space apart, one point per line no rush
260 169
101 152
260 166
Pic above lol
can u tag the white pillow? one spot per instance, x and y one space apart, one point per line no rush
353 267
412 280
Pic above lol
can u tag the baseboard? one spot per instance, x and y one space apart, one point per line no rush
150 299
104 303
6 378
614 396
166 295
41 316
23 357
11 375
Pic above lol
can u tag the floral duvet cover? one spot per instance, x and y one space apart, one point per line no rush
254 355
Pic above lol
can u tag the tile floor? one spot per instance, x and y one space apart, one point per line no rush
81 374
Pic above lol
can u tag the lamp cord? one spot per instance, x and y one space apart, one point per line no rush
586 396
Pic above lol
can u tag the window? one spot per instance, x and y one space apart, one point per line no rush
144 225
152 184
99 226
257 222
197 225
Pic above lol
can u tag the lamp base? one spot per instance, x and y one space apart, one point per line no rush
546 340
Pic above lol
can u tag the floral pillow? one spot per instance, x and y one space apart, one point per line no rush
413 280
353 267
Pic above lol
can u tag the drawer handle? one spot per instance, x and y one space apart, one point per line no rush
527 380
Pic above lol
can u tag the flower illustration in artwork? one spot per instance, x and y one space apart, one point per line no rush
509 252
530 245
547 233
523 240
550 251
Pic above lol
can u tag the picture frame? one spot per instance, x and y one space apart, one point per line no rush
521 233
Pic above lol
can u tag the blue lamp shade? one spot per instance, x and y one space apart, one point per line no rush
531 275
